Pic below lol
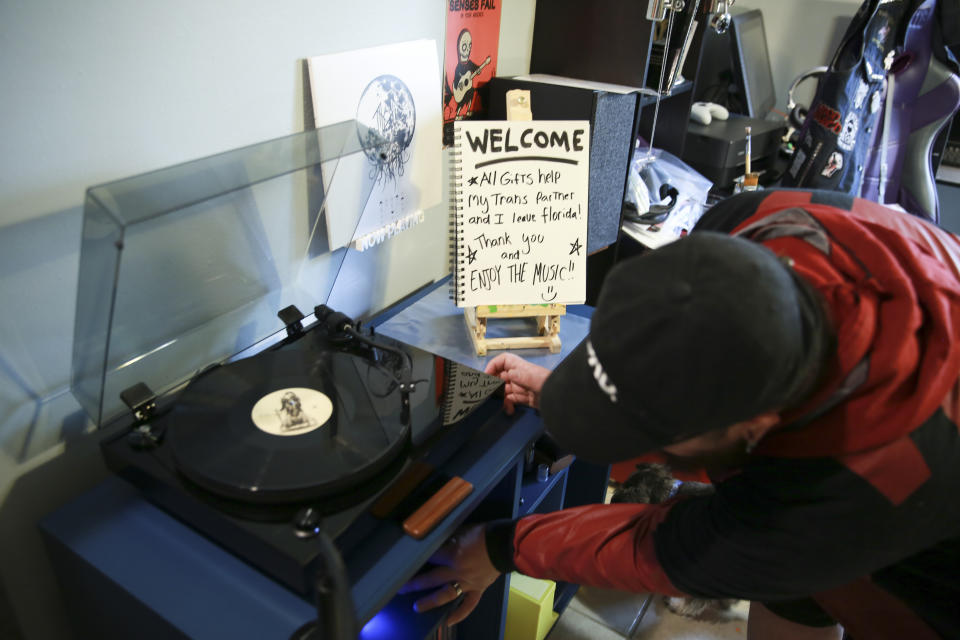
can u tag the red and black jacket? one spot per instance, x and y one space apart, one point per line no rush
856 500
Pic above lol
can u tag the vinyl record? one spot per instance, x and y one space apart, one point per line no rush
282 426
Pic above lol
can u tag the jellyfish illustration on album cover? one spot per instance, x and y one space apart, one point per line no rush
387 108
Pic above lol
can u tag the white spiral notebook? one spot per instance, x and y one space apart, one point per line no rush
519 212
464 390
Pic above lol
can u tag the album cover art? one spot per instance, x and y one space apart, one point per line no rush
392 91
470 59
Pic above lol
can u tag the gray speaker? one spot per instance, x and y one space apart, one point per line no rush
612 117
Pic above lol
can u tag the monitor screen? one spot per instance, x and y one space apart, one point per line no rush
751 62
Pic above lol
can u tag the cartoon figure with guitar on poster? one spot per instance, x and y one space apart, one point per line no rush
463 91
470 60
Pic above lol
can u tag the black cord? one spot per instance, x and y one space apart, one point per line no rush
334 598
404 381
336 617
376 345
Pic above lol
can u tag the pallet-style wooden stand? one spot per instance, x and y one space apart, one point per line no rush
548 326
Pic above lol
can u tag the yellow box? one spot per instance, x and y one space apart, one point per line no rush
530 614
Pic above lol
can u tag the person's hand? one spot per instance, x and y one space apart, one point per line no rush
524 380
464 567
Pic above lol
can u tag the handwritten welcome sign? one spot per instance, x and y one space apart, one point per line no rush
520 207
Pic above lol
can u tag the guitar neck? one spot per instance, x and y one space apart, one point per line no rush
480 68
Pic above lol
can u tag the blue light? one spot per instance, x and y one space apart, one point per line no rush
380 626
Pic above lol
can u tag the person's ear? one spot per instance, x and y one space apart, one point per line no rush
754 429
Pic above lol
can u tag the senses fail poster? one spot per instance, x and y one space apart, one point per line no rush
470 59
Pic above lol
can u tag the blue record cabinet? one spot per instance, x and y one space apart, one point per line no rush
129 569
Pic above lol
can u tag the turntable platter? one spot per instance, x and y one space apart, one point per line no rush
282 426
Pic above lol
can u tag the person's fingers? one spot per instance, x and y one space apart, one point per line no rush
497 365
513 387
516 398
529 376
500 367
503 363
429 579
465 608
513 395
520 395
519 392
520 399
444 595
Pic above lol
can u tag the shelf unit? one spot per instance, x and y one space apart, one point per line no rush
97 545
130 569
614 40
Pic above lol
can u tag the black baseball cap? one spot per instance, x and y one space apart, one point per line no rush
705 332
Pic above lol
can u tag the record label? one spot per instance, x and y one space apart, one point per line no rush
292 412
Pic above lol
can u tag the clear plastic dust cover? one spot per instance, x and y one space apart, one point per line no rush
187 266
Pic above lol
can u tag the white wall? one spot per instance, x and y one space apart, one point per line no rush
801 34
99 90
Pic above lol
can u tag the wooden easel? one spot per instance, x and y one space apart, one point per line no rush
547 315
548 326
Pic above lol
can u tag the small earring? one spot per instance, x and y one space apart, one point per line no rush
751 445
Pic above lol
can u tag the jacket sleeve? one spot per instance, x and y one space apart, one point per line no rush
724 216
601 545
796 531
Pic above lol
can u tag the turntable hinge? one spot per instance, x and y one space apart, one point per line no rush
141 400
292 318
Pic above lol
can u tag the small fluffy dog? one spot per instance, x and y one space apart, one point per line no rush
652 483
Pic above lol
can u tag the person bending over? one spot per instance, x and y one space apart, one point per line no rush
804 348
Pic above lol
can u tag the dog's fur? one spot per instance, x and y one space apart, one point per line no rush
652 483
